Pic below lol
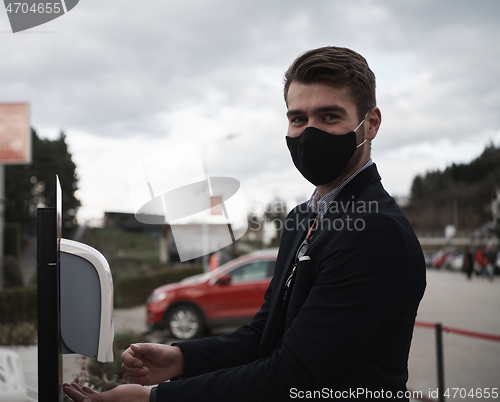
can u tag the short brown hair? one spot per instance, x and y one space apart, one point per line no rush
335 66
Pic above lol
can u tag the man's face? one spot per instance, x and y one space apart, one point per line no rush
331 109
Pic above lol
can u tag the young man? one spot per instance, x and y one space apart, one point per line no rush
338 316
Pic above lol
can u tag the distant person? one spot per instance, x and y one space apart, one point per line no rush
490 256
481 261
213 262
339 313
468 262
218 258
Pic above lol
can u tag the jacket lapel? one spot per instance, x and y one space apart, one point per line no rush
345 201
291 243
302 228
289 246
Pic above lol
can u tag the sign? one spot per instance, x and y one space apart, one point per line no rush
15 135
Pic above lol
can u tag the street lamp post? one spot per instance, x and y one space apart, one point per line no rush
205 223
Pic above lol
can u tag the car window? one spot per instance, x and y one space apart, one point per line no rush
254 271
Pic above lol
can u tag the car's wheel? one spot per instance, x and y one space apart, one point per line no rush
185 322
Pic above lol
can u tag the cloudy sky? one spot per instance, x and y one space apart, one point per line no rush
124 79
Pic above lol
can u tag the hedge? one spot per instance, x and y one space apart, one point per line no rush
134 290
18 305
12 240
12 275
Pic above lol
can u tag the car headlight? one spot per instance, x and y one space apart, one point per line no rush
156 297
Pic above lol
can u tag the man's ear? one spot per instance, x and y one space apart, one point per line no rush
372 123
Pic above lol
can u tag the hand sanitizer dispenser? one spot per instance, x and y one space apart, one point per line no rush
86 301
75 301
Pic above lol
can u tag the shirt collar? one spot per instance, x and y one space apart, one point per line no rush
320 204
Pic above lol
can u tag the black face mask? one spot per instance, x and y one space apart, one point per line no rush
320 156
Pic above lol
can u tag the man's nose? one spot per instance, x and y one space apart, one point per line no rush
312 122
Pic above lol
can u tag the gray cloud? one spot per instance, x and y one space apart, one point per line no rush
115 62
117 69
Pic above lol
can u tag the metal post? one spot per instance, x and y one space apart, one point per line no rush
49 345
440 361
205 228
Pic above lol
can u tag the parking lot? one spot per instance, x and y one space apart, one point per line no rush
456 302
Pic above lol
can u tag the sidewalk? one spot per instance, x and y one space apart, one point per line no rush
449 299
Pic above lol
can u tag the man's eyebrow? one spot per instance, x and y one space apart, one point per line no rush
321 109
294 112
331 108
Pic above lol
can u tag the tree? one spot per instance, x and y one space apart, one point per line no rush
28 187
461 194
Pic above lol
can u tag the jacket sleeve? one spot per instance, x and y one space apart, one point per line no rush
233 349
241 346
362 284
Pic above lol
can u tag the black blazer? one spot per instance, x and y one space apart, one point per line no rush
349 320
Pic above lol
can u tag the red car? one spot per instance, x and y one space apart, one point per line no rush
231 294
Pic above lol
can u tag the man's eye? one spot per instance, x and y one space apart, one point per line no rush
298 119
330 117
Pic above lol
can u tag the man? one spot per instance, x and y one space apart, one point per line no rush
338 316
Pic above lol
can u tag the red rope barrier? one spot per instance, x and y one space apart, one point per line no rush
425 324
459 331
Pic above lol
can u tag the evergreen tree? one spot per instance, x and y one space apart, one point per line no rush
28 187
461 194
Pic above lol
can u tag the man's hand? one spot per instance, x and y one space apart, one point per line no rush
122 393
151 363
